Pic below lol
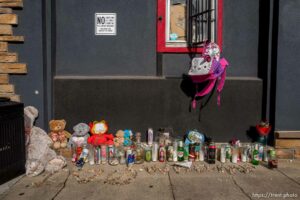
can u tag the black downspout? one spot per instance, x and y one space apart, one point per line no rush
273 69
48 28
263 52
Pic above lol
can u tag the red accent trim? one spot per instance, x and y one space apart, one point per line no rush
179 49
161 24
220 24
161 30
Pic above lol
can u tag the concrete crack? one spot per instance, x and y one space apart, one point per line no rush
63 187
284 174
5 193
172 186
242 190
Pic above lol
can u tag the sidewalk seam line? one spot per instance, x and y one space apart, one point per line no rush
242 190
284 174
63 187
172 187
6 192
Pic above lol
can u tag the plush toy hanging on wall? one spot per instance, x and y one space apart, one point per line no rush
209 67
99 135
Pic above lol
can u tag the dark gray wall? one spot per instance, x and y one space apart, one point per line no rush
139 103
136 55
131 52
240 41
288 70
240 36
174 65
30 52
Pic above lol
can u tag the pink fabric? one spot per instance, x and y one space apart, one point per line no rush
194 103
222 78
207 89
212 78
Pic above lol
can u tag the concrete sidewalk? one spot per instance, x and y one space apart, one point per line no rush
143 182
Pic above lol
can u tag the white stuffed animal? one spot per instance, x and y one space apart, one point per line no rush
39 155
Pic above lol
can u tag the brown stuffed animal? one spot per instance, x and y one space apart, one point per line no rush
119 139
58 134
39 155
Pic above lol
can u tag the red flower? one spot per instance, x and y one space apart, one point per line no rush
262 130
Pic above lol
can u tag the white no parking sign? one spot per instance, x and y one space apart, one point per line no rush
105 24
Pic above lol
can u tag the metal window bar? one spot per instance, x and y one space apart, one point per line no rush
201 22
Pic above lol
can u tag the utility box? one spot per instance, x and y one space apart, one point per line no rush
12 140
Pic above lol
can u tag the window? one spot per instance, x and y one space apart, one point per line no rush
184 25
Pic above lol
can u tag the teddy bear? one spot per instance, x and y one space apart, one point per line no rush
99 135
119 139
58 134
80 135
39 155
79 138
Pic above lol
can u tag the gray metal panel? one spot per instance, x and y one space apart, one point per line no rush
131 52
30 52
240 36
175 65
288 68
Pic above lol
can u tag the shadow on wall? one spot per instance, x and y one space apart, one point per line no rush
252 134
189 89
267 58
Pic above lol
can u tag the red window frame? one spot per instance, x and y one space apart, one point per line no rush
161 30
